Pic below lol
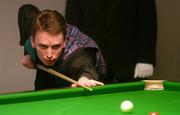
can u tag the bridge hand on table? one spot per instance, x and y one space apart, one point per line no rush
87 82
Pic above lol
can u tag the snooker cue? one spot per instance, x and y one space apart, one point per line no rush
49 70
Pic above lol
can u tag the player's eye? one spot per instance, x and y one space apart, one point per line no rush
43 46
56 46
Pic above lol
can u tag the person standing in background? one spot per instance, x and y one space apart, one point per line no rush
125 31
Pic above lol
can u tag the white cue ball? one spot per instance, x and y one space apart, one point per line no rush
126 106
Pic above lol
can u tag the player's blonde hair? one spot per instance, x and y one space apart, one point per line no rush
50 21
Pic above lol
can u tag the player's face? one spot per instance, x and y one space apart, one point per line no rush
49 48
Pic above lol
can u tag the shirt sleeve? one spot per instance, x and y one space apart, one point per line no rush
81 63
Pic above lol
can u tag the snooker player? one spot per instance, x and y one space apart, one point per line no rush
58 45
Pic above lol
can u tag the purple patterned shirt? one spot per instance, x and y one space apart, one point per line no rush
76 39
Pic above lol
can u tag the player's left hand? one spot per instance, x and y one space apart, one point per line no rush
87 82
143 70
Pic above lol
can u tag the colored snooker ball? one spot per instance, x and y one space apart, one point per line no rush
153 113
126 106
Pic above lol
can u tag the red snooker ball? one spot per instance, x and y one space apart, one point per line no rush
153 113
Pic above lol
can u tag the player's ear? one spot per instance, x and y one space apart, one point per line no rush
32 42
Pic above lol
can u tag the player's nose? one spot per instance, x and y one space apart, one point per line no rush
49 54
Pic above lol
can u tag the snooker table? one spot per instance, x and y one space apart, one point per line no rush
103 100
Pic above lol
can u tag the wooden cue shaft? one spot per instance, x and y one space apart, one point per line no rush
49 70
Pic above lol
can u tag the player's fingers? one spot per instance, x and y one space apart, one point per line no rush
98 83
89 84
93 83
86 82
73 85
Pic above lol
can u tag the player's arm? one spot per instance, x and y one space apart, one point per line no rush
30 56
28 62
81 66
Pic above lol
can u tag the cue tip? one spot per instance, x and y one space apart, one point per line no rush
87 88
91 89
